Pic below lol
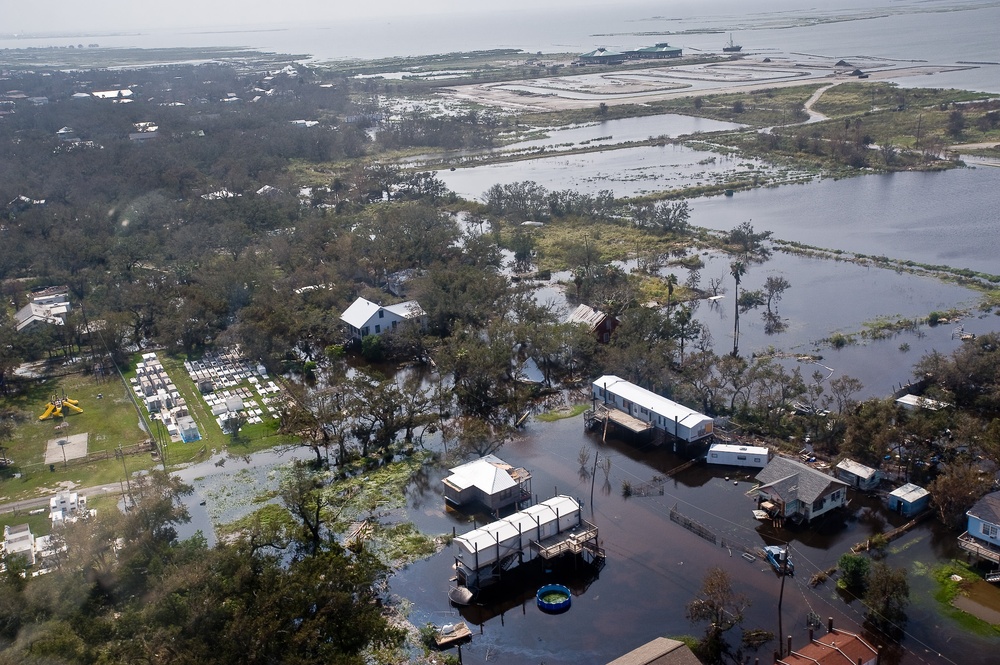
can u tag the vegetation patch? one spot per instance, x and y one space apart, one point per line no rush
948 589
552 416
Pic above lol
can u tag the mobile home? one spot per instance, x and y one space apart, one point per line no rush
735 455
644 405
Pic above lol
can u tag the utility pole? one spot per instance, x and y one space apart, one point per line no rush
917 144
781 595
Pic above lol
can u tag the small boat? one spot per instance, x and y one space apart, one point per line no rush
460 595
774 556
731 47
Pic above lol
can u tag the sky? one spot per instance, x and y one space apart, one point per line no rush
27 16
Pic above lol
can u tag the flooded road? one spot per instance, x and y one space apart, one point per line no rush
655 567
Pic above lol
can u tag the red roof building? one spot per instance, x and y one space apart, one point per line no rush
837 647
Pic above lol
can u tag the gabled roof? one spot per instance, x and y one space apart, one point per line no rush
987 508
794 480
361 311
837 647
661 651
587 316
524 522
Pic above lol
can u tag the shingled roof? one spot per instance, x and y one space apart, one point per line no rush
987 508
794 480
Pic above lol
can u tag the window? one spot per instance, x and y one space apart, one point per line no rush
756 459
741 457
364 331
381 313
643 410
394 324
715 454
378 329
989 530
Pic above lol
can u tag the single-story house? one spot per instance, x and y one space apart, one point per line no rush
730 454
661 651
645 405
837 647
488 480
982 534
909 499
913 402
858 475
365 318
791 490
599 324
49 306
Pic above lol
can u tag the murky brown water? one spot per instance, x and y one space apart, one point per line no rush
655 567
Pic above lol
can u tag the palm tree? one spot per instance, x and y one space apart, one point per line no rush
737 269
671 280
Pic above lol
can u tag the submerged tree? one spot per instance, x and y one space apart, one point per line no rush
719 605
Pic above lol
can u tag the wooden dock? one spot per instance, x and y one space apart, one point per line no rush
458 632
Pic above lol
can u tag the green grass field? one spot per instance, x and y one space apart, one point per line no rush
111 420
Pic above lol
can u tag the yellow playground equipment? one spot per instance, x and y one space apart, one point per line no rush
54 409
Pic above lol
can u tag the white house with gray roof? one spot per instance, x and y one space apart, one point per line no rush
793 490
365 318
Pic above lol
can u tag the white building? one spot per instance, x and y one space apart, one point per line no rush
66 507
365 318
49 306
664 414
858 475
736 455
488 480
18 541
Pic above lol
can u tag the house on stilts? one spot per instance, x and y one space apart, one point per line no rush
624 405
548 530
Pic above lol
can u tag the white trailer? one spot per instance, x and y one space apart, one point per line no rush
730 454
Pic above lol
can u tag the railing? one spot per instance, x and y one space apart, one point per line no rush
977 547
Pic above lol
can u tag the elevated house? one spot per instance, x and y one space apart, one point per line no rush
548 530
982 531
837 647
639 410
365 318
599 324
858 475
489 481
909 499
795 491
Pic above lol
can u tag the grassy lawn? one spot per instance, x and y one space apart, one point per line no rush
110 421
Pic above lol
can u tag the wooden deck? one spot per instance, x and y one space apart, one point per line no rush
582 539
604 415
977 547
458 633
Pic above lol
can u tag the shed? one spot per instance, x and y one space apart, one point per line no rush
737 455
858 475
909 499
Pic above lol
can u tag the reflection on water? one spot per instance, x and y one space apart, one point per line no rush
654 567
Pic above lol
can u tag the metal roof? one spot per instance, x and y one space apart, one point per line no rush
857 468
361 311
736 448
523 522
909 493
587 315
650 400
487 473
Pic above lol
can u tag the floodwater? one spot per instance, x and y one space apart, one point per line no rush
626 172
610 132
654 566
